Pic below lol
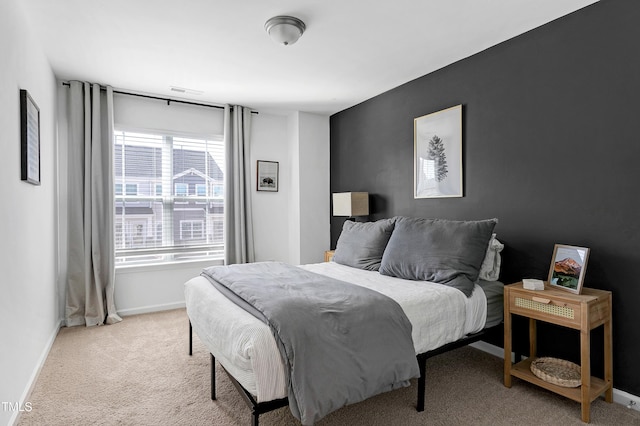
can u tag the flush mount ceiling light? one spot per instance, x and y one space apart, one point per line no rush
285 30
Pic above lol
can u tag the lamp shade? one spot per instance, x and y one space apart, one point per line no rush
351 204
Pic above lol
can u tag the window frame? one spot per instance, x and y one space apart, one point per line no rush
212 253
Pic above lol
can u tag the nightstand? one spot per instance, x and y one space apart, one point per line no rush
328 255
582 312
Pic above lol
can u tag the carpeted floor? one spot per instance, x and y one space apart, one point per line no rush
138 372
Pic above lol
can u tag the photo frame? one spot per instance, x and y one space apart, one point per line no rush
437 154
568 267
29 139
267 176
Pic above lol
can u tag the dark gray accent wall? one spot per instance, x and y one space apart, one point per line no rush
551 145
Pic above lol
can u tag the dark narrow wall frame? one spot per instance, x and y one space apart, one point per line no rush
29 139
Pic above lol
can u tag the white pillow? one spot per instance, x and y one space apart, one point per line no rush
490 269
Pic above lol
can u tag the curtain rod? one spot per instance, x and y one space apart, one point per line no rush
168 100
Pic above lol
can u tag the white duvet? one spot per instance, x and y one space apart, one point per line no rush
247 350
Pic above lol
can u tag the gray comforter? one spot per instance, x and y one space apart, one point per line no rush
342 343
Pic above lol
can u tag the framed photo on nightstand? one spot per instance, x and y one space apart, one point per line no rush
568 266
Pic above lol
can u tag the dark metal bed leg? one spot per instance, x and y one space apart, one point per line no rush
213 377
190 338
422 359
422 364
256 407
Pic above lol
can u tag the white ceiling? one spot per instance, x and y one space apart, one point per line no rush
352 49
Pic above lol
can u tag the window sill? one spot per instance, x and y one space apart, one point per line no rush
178 264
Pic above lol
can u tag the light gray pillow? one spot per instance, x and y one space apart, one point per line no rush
442 251
490 268
361 244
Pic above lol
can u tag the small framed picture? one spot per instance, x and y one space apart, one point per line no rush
267 176
568 266
29 139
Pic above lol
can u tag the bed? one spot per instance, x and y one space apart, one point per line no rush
443 316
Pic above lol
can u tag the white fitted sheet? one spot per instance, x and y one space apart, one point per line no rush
246 348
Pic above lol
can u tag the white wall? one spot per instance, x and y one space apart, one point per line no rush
293 207
270 211
309 204
314 203
153 288
143 113
29 316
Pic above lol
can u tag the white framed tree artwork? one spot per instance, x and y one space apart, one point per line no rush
437 154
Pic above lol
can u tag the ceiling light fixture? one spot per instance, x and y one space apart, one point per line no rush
285 30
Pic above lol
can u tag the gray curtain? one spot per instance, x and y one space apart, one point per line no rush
91 271
237 212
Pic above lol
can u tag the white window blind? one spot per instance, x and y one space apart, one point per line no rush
169 203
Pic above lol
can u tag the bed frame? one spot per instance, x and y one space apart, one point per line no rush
258 408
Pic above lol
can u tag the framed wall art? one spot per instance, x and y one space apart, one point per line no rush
267 176
437 154
568 266
29 139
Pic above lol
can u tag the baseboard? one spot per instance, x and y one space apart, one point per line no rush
620 397
36 372
489 348
625 398
151 308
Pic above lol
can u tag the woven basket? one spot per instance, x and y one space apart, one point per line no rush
557 371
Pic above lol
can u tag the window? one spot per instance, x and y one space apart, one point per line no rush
191 229
182 189
131 189
168 198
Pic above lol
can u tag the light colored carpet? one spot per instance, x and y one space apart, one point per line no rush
138 372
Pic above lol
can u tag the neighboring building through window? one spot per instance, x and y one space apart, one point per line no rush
182 189
168 198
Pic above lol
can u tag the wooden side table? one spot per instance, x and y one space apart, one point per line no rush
582 312
328 255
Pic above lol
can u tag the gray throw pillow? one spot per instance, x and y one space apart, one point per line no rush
442 251
361 244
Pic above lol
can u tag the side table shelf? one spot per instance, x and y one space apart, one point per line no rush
522 370
582 312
